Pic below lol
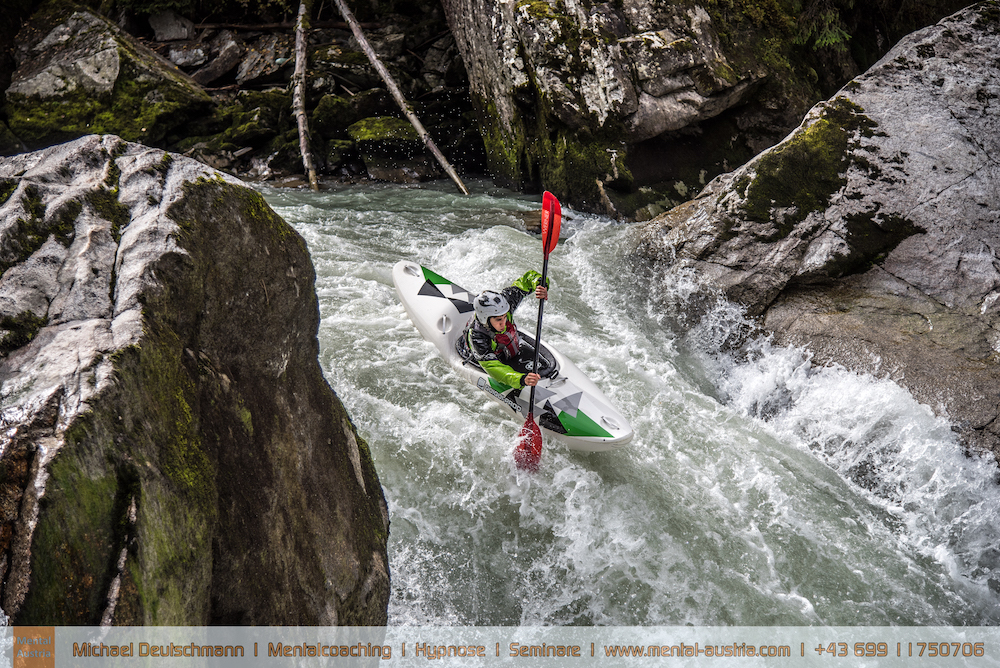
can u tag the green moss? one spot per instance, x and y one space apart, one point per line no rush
246 417
381 128
113 178
537 9
253 120
339 150
989 16
332 116
139 108
30 233
63 225
7 188
507 152
27 234
106 204
17 331
73 547
39 122
575 166
802 174
351 58
143 439
755 31
160 169
33 205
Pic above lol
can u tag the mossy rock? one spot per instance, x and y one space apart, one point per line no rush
383 129
217 390
802 174
332 116
29 231
339 151
392 150
19 330
132 95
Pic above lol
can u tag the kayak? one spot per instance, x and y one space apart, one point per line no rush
568 405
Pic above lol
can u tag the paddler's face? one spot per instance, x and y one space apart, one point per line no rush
499 322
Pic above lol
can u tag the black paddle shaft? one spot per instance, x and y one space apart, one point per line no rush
538 327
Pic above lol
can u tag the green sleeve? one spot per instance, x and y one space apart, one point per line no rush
529 281
502 373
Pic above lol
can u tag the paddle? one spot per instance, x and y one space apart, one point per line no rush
528 451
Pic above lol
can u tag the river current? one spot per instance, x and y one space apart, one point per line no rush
759 490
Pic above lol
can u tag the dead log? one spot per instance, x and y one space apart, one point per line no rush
299 96
397 95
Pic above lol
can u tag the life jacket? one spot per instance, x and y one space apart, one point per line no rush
507 340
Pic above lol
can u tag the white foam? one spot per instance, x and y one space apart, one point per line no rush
740 500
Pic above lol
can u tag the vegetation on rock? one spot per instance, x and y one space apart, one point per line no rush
154 472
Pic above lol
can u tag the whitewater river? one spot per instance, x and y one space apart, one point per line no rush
757 490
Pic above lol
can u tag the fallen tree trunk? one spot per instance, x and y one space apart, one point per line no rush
299 96
397 95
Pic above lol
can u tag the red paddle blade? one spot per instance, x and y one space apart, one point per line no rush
551 221
528 451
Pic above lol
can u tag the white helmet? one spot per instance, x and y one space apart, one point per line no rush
489 304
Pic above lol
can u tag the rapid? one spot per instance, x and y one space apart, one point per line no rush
758 490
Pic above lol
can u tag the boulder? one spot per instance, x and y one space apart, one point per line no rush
172 453
187 54
871 234
79 74
269 59
226 54
168 27
392 150
570 88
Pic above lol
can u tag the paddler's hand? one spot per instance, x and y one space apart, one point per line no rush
541 292
531 379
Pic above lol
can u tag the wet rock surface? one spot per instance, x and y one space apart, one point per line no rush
870 235
172 452
77 74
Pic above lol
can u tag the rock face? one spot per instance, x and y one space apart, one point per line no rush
565 90
625 108
871 234
79 74
171 452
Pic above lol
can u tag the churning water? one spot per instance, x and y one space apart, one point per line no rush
758 490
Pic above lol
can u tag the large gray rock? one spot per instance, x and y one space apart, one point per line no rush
871 234
570 86
172 454
79 74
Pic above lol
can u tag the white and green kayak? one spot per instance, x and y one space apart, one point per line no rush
568 405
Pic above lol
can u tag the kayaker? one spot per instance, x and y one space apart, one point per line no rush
491 338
